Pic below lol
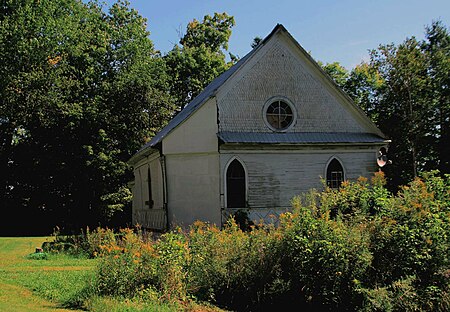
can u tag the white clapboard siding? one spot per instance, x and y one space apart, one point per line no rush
275 178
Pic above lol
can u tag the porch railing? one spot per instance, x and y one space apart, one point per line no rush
152 219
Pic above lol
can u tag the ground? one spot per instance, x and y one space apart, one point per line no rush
14 297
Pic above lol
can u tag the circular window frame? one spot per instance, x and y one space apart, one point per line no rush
291 106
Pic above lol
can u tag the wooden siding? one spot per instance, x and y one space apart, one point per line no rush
280 72
275 177
196 135
193 188
152 217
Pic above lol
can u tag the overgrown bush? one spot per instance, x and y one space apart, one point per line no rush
326 259
410 245
355 248
127 266
88 243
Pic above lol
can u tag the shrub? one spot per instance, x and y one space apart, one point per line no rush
410 242
234 268
325 258
128 265
37 256
355 248
87 243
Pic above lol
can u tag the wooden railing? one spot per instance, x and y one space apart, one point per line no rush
152 219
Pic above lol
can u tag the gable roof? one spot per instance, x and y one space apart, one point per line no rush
207 93
212 89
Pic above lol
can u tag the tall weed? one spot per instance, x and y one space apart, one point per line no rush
355 248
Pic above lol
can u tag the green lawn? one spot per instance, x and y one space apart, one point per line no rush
57 283
39 285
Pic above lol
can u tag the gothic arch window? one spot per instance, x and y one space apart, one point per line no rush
335 174
236 188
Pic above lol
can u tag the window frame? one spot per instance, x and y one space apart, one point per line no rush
343 173
269 103
226 180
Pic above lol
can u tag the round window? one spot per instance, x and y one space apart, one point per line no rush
279 115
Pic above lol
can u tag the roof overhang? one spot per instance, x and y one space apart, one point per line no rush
302 138
143 153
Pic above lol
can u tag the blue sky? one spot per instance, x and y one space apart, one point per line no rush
340 30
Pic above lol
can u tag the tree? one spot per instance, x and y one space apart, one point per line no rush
81 90
405 108
437 49
363 85
200 58
405 90
256 41
337 72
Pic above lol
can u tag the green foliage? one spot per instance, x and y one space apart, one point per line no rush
338 73
412 242
87 244
201 57
213 32
37 256
328 257
256 41
81 90
356 248
404 89
363 85
128 265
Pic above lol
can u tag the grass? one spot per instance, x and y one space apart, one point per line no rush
58 282
25 284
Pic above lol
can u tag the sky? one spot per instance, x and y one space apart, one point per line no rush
332 31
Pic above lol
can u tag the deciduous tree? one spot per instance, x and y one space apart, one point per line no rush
81 90
200 57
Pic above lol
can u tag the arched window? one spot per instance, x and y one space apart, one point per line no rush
335 174
235 185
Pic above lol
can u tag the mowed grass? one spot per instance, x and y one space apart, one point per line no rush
58 282
54 284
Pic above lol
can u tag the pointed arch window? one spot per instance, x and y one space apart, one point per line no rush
335 174
236 185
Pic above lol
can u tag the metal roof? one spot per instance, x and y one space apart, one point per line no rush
197 102
299 137
242 137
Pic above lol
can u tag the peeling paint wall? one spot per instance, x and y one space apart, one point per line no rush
145 213
276 176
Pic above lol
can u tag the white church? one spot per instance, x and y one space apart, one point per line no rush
261 133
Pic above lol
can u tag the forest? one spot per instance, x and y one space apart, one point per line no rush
82 88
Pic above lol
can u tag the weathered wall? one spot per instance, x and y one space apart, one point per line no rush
192 162
197 134
276 176
193 188
280 70
143 214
